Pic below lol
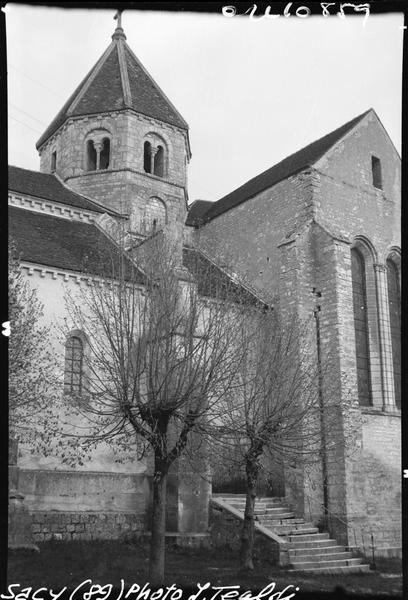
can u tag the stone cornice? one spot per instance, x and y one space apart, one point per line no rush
56 209
112 114
128 169
65 274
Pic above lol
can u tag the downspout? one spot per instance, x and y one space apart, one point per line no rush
316 314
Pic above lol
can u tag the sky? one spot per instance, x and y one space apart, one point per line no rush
253 90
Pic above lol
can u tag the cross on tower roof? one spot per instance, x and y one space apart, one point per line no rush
119 33
118 17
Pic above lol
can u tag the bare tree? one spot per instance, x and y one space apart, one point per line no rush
162 354
276 414
33 382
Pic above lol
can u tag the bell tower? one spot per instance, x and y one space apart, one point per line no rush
120 141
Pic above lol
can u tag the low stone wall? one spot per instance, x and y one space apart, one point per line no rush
226 530
83 491
69 526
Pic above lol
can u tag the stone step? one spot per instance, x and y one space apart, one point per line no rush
271 503
279 517
348 562
294 560
334 570
229 495
309 550
309 537
293 528
294 552
290 530
289 521
275 510
302 545
260 509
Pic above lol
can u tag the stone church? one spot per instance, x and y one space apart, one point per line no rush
319 232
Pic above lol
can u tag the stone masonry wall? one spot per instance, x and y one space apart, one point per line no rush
339 195
226 531
246 237
380 470
124 186
127 131
76 491
69 526
345 197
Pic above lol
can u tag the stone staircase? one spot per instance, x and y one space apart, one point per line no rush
309 550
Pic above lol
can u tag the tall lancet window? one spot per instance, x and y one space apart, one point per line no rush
90 156
74 353
361 328
159 162
394 301
104 156
147 157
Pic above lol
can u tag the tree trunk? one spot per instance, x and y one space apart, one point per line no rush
248 532
158 538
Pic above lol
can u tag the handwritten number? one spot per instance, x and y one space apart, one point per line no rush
6 326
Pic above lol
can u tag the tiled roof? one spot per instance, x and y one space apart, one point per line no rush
48 187
117 81
65 244
290 165
196 211
213 281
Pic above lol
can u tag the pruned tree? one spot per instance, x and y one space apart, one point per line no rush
33 380
162 354
275 416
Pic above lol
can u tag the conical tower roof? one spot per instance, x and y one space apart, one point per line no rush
117 81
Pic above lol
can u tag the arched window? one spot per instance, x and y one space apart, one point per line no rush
90 156
154 155
155 215
147 157
159 162
361 327
53 161
98 150
73 374
394 302
376 172
104 156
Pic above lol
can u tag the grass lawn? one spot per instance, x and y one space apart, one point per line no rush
62 564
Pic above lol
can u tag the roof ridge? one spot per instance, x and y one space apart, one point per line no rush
90 78
156 85
118 81
53 177
291 164
124 75
235 277
350 124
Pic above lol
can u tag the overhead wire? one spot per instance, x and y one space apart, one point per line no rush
25 124
36 81
28 114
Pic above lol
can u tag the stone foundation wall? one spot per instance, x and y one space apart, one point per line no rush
69 526
63 491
